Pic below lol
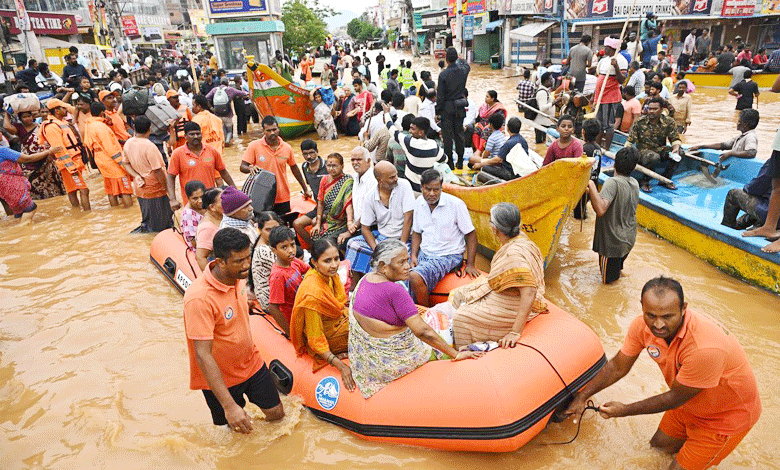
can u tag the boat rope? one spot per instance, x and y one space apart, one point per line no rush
590 404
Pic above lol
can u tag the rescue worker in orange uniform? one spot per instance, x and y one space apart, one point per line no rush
177 129
114 118
101 141
210 128
58 134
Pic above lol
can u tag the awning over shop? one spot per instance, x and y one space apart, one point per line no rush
490 27
529 31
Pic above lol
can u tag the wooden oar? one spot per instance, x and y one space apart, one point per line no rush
645 171
617 51
526 105
705 167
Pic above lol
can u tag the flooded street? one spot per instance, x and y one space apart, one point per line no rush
94 369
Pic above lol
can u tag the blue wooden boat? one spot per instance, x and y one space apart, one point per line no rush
690 218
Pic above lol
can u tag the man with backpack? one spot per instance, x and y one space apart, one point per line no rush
221 97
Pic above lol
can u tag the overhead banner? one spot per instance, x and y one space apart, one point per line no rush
129 26
584 9
770 7
220 8
738 8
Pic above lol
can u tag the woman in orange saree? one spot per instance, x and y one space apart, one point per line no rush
497 307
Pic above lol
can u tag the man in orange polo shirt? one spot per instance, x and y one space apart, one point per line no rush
196 161
101 141
114 119
273 154
712 400
58 134
224 361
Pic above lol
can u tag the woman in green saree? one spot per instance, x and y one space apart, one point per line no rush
334 203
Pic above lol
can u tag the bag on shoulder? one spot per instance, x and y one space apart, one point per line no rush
221 102
529 114
136 100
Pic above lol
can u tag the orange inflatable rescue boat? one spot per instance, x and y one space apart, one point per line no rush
496 403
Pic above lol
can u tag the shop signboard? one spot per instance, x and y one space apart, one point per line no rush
468 28
44 23
738 8
222 8
129 26
583 9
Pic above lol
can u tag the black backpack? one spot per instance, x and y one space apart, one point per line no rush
136 100
261 189
529 114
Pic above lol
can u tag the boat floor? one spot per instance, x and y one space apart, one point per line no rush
700 201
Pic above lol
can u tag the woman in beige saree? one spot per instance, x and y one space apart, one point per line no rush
497 307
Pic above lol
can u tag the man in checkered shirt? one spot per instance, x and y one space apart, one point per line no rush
525 88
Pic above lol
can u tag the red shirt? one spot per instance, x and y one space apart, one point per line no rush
192 167
554 151
284 283
703 355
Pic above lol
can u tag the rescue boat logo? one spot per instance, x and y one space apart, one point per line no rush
229 313
327 392
653 351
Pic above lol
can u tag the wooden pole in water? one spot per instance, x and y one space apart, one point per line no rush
194 75
617 51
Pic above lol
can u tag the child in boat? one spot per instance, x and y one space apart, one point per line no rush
286 276
565 146
263 258
615 208
193 211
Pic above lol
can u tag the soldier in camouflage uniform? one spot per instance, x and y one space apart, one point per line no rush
649 135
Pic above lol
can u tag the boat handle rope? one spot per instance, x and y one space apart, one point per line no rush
257 311
590 404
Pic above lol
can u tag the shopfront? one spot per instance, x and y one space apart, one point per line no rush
236 40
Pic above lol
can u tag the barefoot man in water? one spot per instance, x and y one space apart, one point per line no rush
712 400
224 361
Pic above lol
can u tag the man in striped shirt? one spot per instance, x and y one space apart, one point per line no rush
421 153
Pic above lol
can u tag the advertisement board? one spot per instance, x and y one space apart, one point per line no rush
221 8
770 7
468 28
738 8
581 9
153 34
480 23
129 26
43 23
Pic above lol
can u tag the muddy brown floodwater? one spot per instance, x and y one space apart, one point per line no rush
94 370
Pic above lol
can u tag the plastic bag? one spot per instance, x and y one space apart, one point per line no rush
439 317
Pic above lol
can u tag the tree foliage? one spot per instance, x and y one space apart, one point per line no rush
304 25
361 30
